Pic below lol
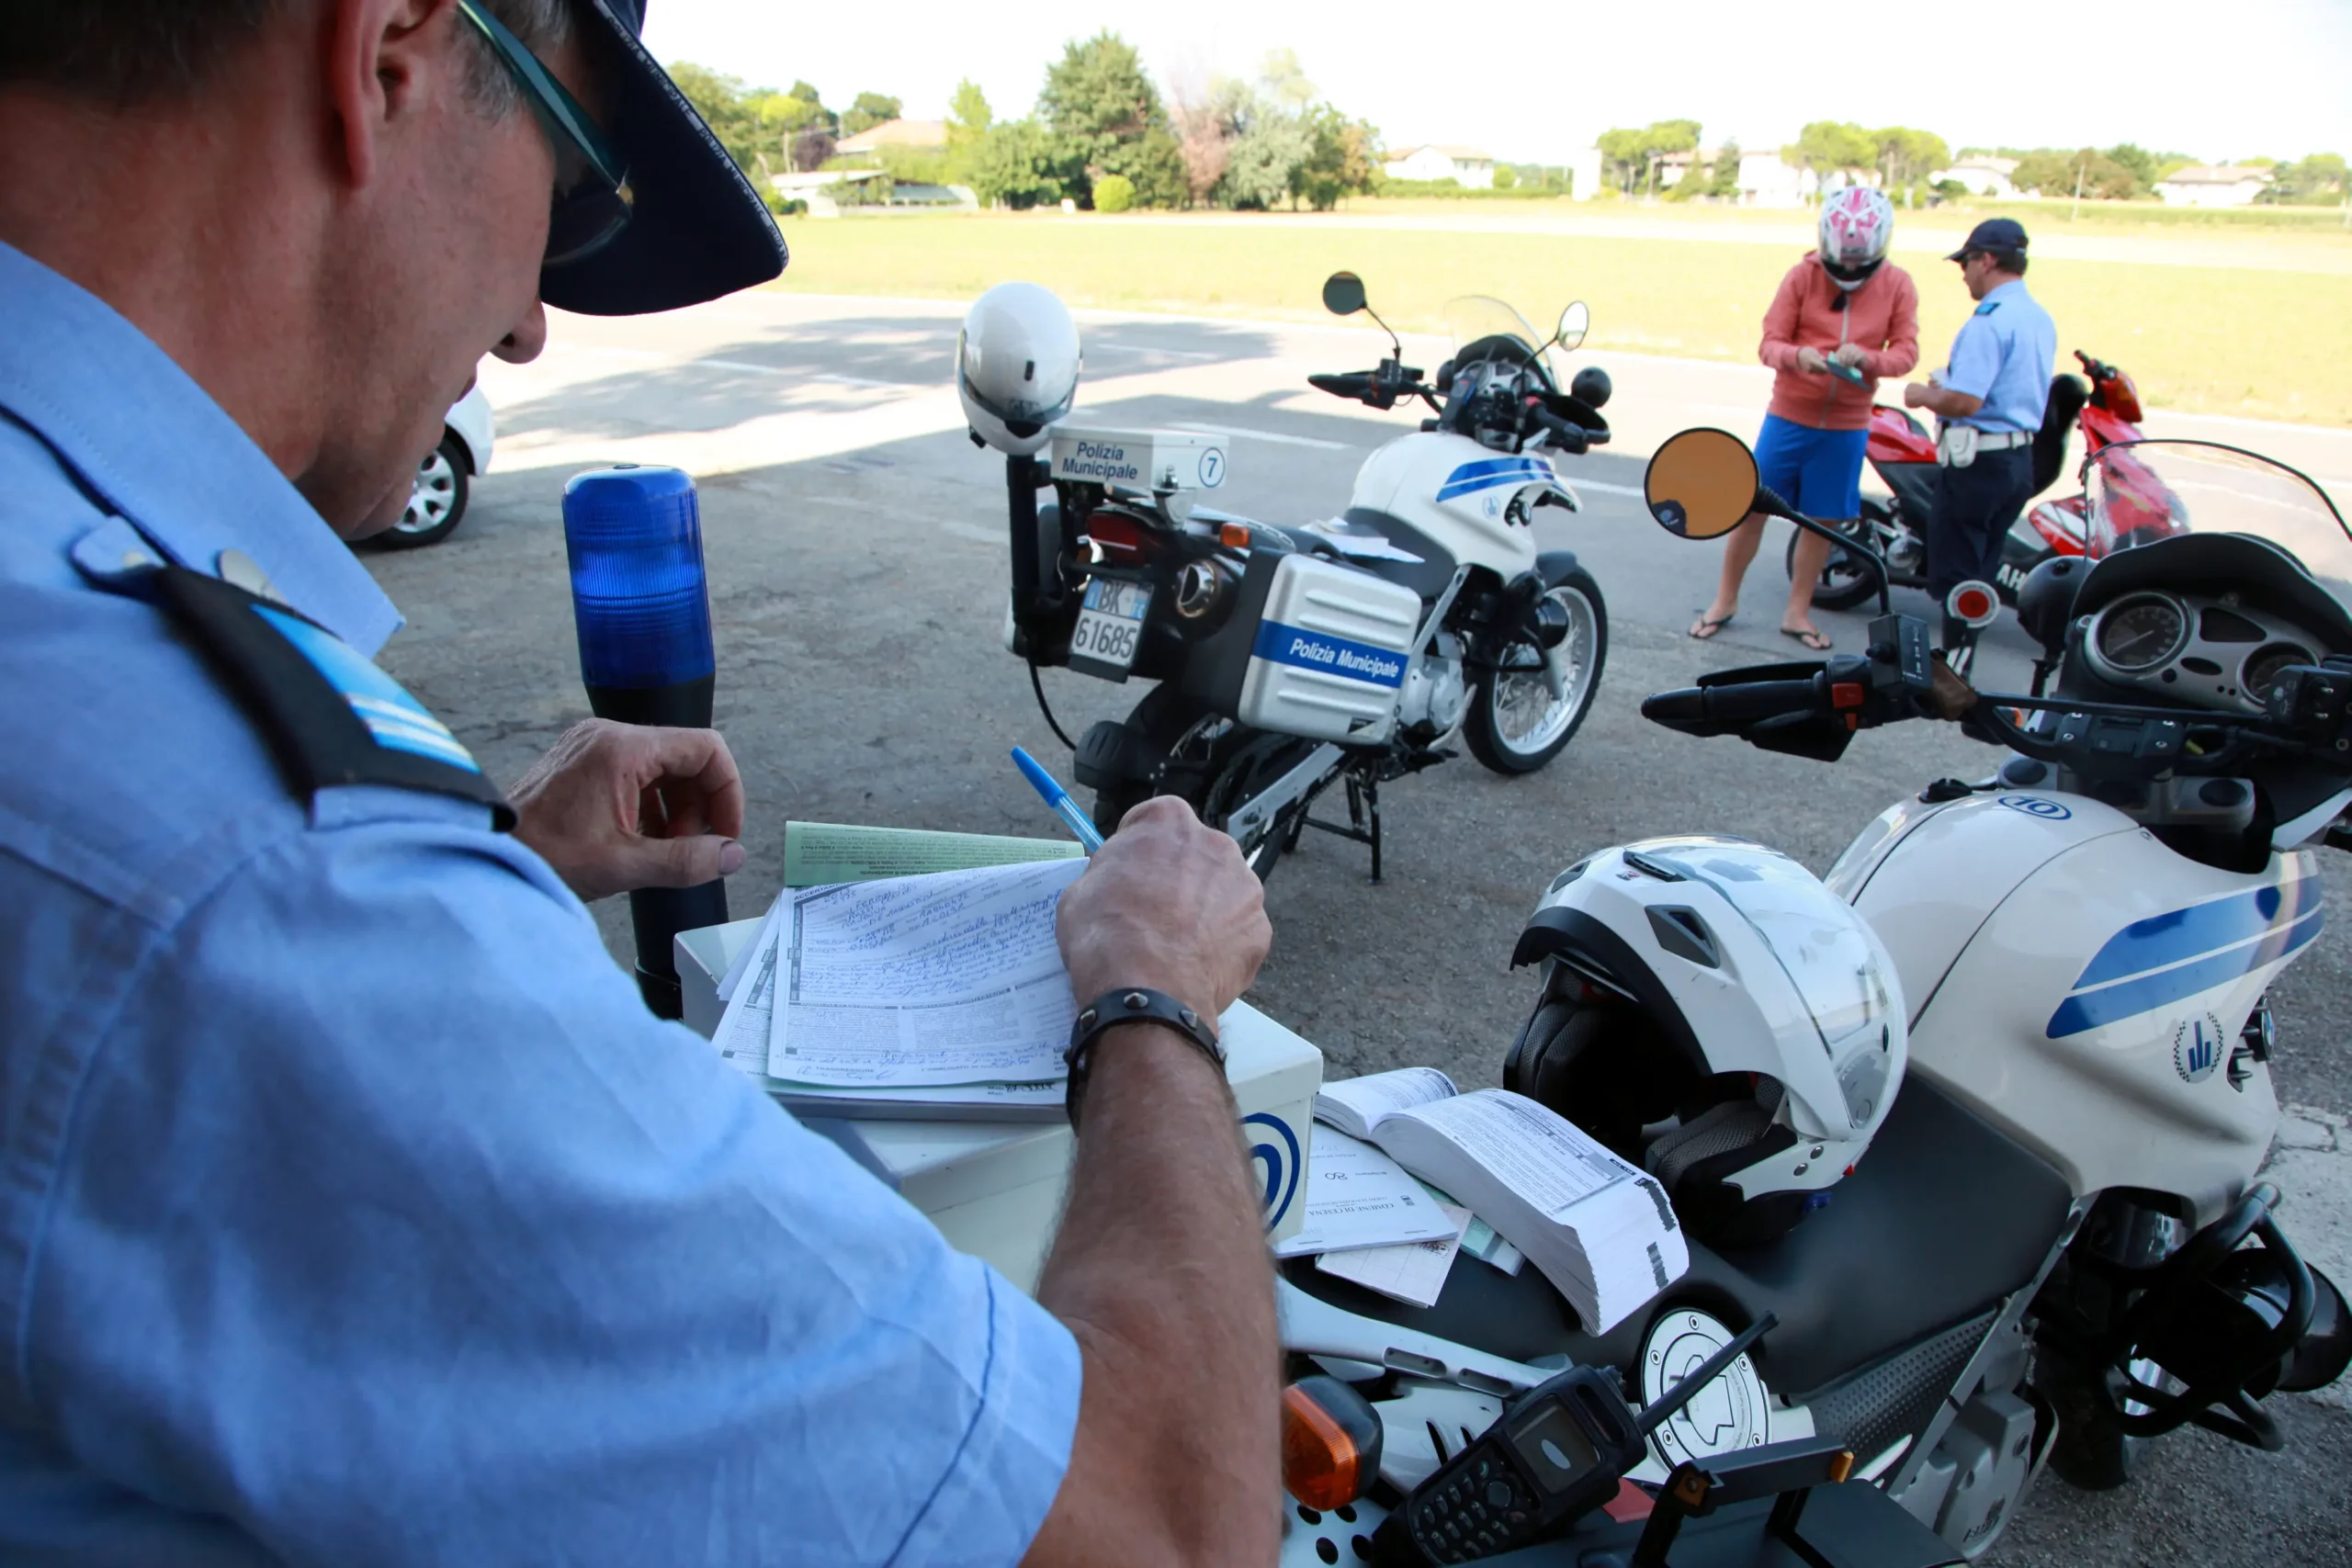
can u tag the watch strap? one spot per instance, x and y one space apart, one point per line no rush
1131 1004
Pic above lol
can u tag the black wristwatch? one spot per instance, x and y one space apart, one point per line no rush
1131 1004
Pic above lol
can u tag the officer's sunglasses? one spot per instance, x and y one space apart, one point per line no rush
592 195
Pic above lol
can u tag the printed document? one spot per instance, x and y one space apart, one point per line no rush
1358 1196
954 978
1414 1274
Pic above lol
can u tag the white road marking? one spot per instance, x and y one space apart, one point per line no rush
1265 436
1581 483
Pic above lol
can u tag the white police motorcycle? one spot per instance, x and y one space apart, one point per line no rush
2028 1226
1290 659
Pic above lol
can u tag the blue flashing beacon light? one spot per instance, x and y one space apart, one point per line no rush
640 601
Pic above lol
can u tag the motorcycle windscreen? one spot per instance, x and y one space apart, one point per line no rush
2141 491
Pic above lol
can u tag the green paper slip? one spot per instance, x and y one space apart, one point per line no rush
817 853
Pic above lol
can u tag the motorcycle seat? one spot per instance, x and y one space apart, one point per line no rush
1944 1217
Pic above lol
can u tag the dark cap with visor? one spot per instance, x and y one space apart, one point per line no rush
2003 234
697 228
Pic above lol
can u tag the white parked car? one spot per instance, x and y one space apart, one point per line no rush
438 503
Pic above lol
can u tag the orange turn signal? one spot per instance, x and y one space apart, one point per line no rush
1330 1442
1234 536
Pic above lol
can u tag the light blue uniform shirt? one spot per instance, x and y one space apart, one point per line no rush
2004 354
353 1210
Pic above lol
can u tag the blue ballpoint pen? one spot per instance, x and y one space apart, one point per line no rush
1058 798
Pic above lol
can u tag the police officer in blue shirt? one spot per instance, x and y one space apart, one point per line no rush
353 1209
1990 400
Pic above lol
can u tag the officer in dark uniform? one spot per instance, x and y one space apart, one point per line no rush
1990 400
352 1208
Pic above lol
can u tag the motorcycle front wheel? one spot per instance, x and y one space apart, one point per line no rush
1846 579
1516 723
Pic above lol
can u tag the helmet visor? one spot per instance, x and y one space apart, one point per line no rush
1023 417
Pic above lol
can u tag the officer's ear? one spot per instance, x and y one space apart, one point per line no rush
385 60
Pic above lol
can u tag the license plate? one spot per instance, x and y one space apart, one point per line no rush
1109 625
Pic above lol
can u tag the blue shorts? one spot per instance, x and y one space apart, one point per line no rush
1819 472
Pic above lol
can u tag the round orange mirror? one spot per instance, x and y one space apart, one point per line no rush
1700 483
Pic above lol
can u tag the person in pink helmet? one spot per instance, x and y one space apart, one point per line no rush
1844 317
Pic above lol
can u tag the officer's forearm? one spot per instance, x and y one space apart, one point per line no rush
1946 403
1160 1271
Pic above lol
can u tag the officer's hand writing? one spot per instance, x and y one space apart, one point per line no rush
1849 355
1811 359
1166 903
1915 394
617 806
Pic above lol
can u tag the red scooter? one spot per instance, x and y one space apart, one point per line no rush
1903 454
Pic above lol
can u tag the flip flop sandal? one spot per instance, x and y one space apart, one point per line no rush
1816 640
1707 628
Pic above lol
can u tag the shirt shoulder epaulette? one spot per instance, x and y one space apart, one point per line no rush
331 717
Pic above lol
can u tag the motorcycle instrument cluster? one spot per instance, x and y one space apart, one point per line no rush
2195 650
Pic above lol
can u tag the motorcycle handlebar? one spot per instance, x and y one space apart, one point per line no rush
1746 703
1353 384
1567 435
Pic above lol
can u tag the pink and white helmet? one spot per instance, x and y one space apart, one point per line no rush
1857 226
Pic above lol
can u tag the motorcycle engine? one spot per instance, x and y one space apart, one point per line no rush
1435 696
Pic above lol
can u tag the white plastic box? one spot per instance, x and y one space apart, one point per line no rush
1328 659
1157 460
995 1189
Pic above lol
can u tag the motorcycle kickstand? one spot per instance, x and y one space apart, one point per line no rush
1364 819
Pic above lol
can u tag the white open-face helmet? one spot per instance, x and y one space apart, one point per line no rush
1857 227
1016 366
1713 1012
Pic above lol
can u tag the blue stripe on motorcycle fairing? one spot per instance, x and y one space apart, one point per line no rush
2089 1010
1332 655
2200 929
1471 478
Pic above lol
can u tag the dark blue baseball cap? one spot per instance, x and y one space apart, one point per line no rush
1993 235
697 228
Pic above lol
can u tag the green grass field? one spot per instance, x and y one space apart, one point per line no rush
2255 343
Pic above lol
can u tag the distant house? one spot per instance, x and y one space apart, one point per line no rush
1466 166
1767 179
2207 184
1982 177
920 134
1673 168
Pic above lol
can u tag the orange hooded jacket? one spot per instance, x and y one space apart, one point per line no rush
1882 316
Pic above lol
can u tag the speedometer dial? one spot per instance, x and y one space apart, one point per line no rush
2142 633
2262 670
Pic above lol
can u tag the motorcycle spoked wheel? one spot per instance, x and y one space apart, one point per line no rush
1846 580
1515 724
1213 764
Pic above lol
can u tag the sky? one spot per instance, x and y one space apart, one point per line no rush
2254 78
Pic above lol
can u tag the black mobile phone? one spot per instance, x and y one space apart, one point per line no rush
1557 1453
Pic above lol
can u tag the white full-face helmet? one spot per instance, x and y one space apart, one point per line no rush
1016 366
1713 1012
1857 227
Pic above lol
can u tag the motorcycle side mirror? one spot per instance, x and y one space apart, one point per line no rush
1344 294
1575 321
1700 484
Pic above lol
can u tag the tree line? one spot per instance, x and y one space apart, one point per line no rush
1900 160
1102 134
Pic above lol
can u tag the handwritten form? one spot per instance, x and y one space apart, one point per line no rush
954 978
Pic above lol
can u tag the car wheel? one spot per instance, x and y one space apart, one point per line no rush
437 504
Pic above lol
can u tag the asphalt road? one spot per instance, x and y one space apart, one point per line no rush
855 545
